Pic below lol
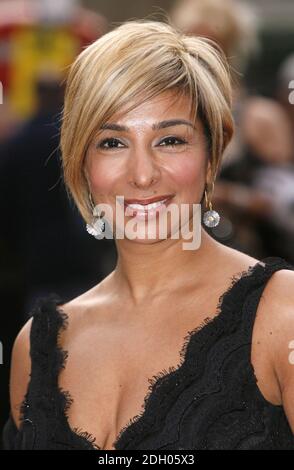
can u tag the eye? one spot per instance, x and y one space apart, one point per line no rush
112 144
170 141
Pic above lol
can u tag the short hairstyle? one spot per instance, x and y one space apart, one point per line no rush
136 61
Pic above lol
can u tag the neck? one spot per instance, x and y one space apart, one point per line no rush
151 271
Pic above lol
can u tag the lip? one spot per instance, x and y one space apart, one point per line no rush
150 200
150 213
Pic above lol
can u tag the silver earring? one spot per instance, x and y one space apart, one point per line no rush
97 225
211 217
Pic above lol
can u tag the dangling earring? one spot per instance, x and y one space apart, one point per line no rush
97 225
211 218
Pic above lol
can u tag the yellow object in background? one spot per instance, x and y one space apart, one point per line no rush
36 50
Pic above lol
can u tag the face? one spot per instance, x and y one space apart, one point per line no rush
154 150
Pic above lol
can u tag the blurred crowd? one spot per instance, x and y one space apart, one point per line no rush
255 190
44 246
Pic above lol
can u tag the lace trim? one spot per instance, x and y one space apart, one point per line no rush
190 355
167 381
160 382
66 398
154 382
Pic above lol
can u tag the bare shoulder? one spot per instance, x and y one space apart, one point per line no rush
272 352
281 283
277 310
233 262
81 310
20 370
98 293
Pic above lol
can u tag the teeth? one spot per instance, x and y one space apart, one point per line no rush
146 207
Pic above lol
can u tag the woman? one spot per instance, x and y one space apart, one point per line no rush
177 318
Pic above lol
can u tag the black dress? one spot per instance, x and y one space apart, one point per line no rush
209 401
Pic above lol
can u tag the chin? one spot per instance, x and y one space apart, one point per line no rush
145 236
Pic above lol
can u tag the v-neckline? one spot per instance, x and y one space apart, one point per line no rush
156 390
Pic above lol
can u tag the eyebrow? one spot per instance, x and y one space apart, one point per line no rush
156 126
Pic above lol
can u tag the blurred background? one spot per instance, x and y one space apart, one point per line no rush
44 246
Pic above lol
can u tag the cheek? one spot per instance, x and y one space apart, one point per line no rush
102 176
189 171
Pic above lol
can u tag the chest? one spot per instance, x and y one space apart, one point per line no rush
111 365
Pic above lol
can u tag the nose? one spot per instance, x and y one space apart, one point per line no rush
143 171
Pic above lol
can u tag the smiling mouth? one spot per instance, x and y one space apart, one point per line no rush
146 210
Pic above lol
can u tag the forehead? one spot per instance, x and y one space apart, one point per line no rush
144 113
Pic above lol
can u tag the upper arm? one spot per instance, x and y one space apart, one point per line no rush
20 370
279 303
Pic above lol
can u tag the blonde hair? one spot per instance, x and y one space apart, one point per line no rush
134 62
